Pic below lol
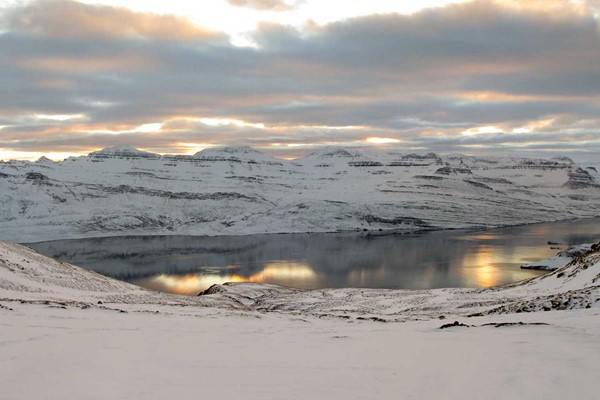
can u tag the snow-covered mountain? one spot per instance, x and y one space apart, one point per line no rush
223 191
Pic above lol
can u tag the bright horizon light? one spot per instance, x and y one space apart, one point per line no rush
237 22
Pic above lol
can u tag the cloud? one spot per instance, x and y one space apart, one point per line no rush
422 79
271 5
70 19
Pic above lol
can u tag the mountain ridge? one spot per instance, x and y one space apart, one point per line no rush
239 190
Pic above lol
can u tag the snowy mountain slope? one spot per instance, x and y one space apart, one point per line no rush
122 190
29 276
24 272
259 341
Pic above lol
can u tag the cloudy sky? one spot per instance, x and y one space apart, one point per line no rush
481 77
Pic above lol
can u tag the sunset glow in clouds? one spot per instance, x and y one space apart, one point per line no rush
285 77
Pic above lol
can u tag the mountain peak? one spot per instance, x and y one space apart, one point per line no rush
44 160
332 152
234 154
124 151
230 150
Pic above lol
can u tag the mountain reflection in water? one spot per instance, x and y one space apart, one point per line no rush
188 264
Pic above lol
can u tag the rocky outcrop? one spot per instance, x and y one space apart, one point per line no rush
36 177
448 170
580 179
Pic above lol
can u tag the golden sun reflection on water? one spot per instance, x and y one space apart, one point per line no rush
482 236
486 276
360 277
479 266
286 273
283 273
487 266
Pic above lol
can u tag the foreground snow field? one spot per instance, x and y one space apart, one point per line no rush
232 191
70 333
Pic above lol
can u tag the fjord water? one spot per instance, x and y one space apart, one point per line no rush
190 264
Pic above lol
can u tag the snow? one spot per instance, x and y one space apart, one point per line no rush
70 333
238 191
560 260
97 354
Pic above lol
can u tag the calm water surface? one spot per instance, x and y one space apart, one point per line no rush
190 264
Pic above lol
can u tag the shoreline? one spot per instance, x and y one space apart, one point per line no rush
357 231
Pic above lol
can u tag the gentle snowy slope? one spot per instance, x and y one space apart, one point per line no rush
28 276
224 191
25 274
264 342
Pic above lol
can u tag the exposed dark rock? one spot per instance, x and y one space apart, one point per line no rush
175 158
563 159
492 180
580 179
394 221
406 164
36 176
447 170
428 156
335 153
520 323
376 319
125 189
365 164
141 174
429 177
454 324
249 179
546 165
214 289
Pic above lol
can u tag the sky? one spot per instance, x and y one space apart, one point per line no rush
481 77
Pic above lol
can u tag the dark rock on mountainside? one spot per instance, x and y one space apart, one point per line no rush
365 164
36 177
580 179
214 289
448 170
370 219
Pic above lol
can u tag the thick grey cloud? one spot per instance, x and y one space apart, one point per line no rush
422 79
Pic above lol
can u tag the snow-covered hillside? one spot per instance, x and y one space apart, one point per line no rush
70 333
123 190
27 275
